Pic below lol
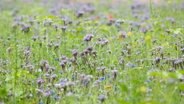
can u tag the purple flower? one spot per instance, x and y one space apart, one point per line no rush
96 83
25 28
102 78
56 45
114 73
130 65
101 69
63 28
47 93
80 13
63 63
47 22
89 49
74 53
102 41
85 79
43 64
102 97
89 8
54 76
69 94
35 37
88 37
62 84
40 81
171 19
123 34
157 60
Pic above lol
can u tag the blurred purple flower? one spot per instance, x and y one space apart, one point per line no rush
88 37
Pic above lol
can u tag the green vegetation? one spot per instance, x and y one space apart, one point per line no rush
53 52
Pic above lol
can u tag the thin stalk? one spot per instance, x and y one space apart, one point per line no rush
151 7
16 66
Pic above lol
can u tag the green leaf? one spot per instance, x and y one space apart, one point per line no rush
3 92
181 86
124 88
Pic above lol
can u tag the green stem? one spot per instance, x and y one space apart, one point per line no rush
151 7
